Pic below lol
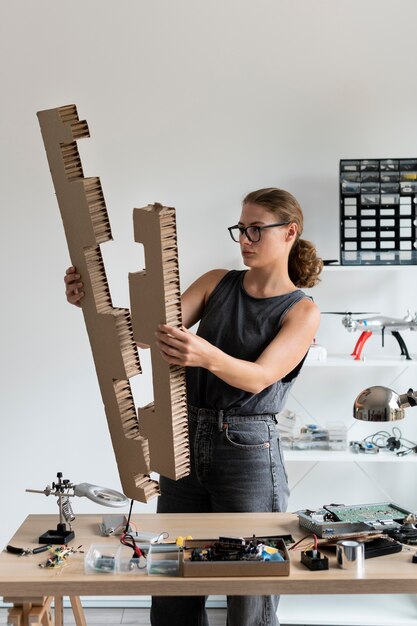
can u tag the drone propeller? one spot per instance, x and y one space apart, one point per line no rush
349 313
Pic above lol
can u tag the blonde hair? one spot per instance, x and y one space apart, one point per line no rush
304 266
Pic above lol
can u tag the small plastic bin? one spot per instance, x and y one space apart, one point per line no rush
128 563
101 558
163 559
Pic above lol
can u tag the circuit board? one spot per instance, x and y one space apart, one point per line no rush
339 520
366 512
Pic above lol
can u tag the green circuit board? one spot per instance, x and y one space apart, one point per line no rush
366 512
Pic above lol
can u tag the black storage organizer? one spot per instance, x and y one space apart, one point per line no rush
378 201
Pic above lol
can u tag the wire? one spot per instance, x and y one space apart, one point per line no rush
128 517
396 432
406 450
314 544
408 441
127 540
375 437
384 439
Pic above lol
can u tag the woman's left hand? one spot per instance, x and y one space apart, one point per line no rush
182 347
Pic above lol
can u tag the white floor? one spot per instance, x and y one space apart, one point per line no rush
358 610
115 617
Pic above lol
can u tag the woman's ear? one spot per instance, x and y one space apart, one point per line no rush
292 231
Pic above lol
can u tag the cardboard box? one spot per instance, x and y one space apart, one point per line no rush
231 568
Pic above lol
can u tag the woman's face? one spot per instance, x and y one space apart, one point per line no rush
274 243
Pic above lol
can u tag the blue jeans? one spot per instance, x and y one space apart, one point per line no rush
236 466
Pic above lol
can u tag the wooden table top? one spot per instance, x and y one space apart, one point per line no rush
21 576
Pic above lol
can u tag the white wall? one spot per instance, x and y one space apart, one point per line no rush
191 104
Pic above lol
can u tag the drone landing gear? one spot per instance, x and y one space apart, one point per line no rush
60 536
401 343
364 336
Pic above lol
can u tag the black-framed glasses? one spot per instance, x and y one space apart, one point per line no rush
253 233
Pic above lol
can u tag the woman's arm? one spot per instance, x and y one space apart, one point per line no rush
194 299
282 355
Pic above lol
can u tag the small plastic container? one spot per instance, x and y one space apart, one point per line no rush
163 559
101 558
127 563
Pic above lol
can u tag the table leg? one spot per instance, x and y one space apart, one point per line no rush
58 611
19 613
15 616
47 618
23 606
39 615
77 609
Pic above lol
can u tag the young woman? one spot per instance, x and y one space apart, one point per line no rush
255 329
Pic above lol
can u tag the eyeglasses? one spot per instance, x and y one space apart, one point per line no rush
253 233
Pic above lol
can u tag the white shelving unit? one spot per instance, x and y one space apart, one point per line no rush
322 383
351 610
345 360
395 364
346 456
374 268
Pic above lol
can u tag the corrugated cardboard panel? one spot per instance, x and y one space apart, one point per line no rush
155 298
86 223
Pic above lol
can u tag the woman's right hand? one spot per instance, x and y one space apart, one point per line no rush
73 286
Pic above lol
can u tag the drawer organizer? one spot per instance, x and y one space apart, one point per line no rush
378 211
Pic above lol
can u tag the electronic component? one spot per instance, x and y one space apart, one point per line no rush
393 443
341 520
232 541
381 546
105 563
314 560
363 446
26 551
382 439
367 513
407 532
239 549
58 556
113 525
149 537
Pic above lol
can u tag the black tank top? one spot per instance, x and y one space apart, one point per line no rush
242 326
